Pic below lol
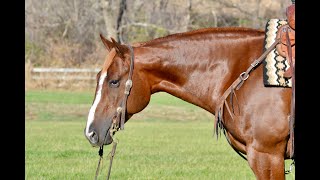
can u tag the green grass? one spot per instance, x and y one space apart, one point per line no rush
170 139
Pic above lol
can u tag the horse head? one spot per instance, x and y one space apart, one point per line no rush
119 94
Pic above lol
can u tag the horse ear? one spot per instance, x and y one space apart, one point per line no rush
108 44
117 45
120 48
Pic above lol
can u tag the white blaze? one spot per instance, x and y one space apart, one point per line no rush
95 103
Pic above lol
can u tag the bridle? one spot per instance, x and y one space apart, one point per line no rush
121 110
119 116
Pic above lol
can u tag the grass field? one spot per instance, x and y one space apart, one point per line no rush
170 139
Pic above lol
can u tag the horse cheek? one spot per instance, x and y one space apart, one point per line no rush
139 97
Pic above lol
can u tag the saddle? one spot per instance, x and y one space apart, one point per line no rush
286 48
286 34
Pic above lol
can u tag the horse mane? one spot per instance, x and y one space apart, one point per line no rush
202 31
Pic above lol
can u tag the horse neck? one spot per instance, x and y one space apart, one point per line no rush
197 71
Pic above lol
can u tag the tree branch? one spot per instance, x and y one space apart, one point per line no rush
142 25
231 5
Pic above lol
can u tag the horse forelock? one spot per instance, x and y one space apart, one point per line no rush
108 61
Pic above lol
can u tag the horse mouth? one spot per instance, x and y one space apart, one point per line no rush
98 140
108 140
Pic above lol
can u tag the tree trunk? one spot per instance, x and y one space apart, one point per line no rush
108 11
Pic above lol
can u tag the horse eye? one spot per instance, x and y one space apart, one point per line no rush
114 83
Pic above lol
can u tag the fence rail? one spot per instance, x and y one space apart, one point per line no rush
63 73
64 70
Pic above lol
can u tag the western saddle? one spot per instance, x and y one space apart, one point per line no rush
286 34
286 48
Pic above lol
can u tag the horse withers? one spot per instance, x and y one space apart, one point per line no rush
198 67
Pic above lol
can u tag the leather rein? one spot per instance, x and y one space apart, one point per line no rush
230 91
118 119
238 83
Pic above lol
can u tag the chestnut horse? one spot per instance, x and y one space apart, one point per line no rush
198 67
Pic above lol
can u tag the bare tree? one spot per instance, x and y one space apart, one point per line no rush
109 8
68 31
255 13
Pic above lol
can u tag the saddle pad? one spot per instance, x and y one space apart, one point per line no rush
274 65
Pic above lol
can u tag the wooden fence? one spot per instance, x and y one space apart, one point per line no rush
61 77
63 74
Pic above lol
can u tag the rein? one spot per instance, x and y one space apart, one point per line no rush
119 117
292 110
236 85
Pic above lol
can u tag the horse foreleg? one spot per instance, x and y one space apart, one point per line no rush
266 166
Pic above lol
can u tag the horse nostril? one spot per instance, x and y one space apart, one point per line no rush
93 137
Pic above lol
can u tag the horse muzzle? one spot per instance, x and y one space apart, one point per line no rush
96 139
